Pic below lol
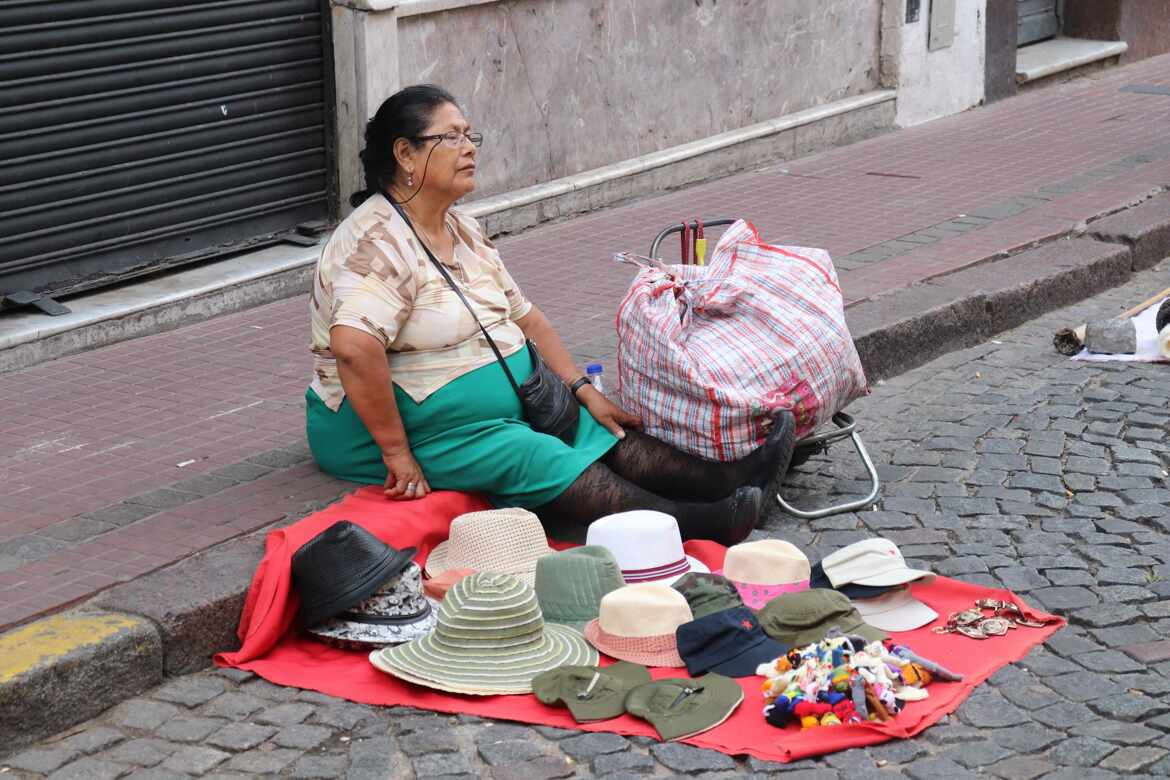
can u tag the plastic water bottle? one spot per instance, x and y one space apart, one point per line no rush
594 372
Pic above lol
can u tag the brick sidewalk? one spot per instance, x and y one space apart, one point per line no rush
121 460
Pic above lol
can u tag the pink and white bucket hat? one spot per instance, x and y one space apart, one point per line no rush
764 569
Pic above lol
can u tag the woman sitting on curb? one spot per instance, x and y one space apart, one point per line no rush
408 394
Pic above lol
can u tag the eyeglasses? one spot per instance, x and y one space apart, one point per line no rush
453 138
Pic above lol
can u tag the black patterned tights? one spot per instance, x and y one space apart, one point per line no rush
710 500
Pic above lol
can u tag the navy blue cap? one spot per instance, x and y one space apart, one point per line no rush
818 579
730 643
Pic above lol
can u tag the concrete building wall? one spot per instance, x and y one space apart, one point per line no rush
1143 24
564 86
999 67
933 84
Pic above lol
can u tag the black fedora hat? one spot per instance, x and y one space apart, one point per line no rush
340 567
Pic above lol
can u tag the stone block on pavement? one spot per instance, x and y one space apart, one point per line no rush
41 760
1148 652
67 668
195 759
688 758
89 768
591 745
191 691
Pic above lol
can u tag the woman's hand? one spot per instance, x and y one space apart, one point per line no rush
404 478
606 412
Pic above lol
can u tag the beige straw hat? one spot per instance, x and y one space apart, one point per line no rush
508 541
490 639
637 623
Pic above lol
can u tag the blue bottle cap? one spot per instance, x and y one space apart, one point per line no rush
593 368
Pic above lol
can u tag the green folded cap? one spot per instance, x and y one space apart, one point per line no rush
682 707
590 692
799 619
708 593
570 584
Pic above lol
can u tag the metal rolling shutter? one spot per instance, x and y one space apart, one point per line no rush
135 131
1037 20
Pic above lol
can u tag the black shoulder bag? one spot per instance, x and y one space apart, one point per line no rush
548 404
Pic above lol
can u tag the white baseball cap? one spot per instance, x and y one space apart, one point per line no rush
870 562
895 611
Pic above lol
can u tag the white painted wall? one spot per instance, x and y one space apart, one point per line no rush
933 84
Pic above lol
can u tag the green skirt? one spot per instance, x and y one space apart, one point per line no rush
469 435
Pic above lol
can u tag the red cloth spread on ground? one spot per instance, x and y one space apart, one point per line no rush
286 657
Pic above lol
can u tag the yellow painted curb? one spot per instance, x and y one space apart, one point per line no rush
29 646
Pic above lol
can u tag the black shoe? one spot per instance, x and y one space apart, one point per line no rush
746 512
778 448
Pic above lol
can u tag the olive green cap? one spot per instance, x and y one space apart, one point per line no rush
799 619
681 707
708 593
590 692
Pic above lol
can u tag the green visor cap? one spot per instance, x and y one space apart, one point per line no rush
569 584
708 593
590 692
799 619
681 707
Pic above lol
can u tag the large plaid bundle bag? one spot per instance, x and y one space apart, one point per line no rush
708 354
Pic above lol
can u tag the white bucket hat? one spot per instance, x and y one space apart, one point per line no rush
895 611
646 544
875 562
506 541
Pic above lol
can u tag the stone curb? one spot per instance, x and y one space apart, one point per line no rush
178 616
67 668
968 307
1144 228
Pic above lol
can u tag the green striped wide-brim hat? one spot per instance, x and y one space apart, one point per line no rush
490 638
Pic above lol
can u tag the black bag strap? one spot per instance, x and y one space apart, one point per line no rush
491 342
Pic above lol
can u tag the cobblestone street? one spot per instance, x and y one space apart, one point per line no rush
1004 464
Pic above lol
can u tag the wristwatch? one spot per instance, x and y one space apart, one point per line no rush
578 385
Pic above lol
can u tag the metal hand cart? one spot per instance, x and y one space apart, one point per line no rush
846 426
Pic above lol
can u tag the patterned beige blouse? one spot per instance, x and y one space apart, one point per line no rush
374 275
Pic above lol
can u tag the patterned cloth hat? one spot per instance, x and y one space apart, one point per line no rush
708 593
591 692
763 569
570 584
638 622
680 707
397 612
647 545
490 639
507 541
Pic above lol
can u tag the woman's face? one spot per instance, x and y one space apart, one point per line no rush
450 172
